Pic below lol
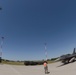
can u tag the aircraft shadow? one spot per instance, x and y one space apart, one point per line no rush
62 65
65 64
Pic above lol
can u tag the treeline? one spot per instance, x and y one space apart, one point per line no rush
52 59
6 60
33 63
0 60
27 63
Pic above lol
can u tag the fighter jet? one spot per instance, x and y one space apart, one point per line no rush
68 57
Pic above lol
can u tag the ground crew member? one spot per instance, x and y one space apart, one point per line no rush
45 67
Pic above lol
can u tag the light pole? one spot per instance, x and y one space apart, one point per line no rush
45 52
1 46
2 38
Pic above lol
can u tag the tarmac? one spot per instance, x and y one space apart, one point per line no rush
54 69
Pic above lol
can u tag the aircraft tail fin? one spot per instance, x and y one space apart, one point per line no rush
74 51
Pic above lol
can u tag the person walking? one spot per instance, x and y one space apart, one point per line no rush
45 67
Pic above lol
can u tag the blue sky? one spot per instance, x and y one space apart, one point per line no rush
27 24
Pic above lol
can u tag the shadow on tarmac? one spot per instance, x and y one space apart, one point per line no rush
47 72
62 65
